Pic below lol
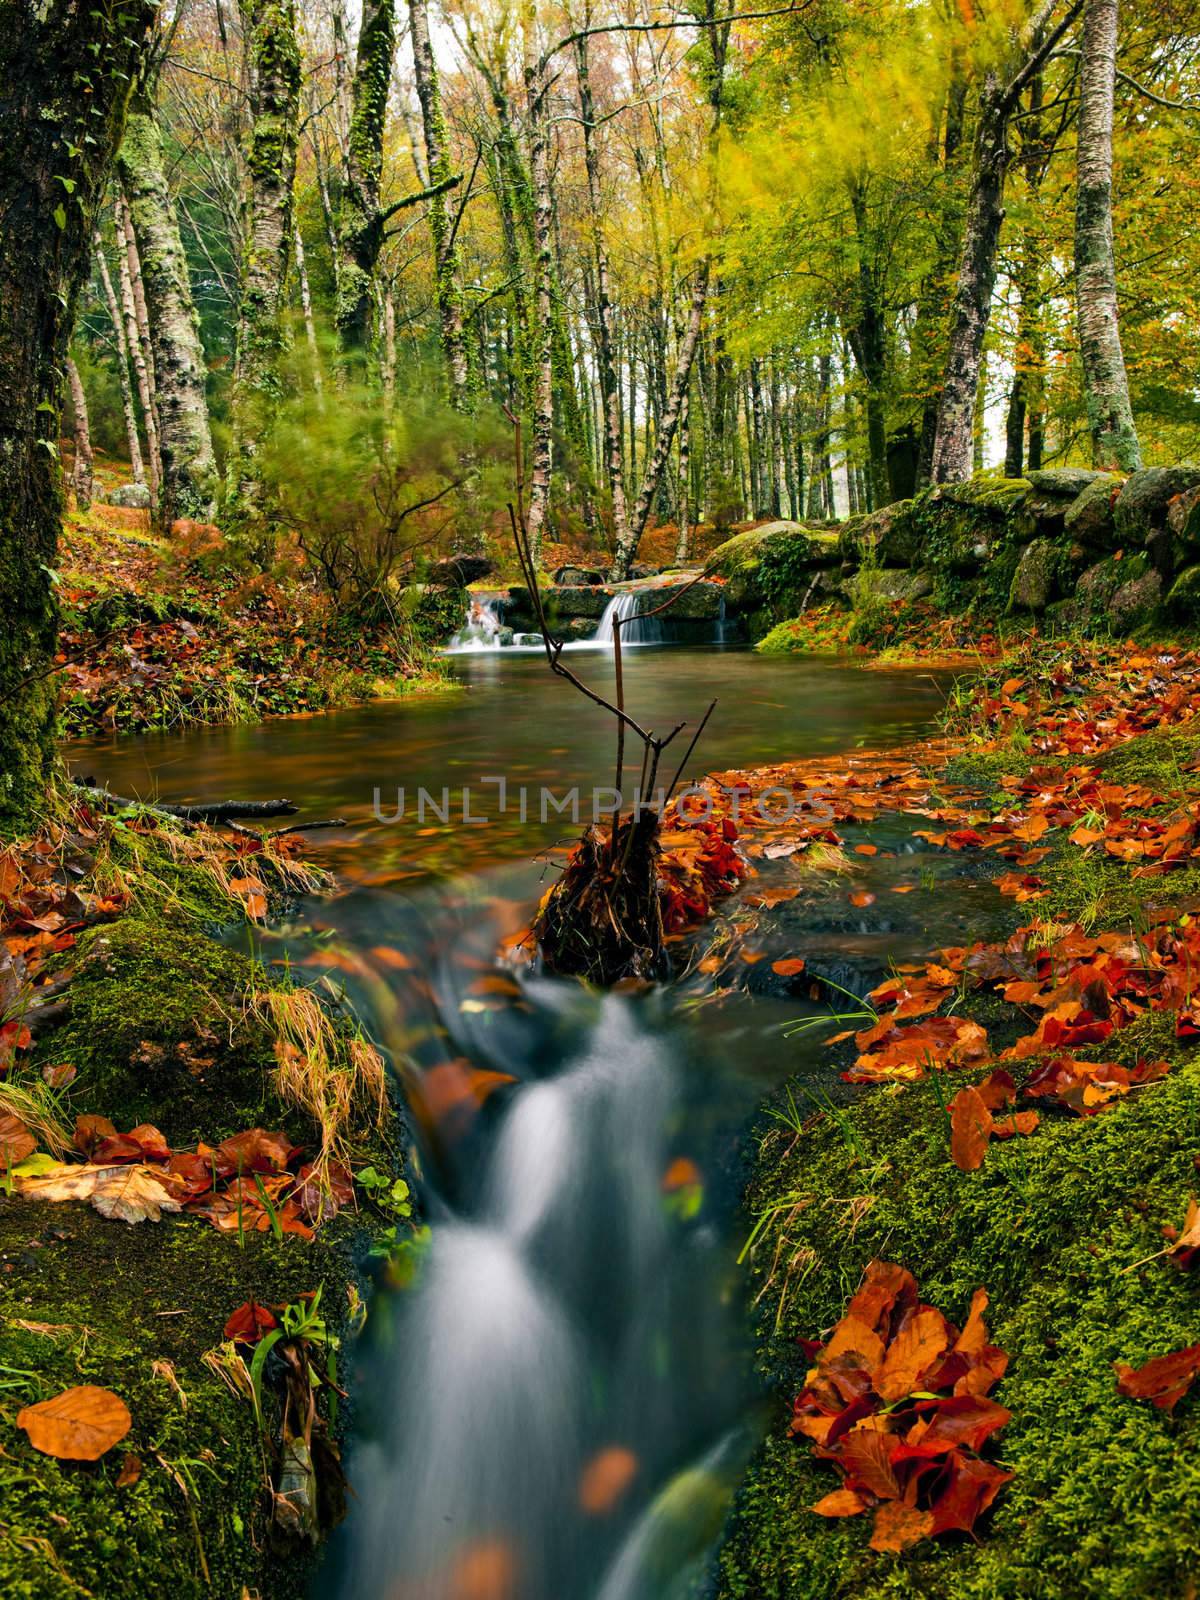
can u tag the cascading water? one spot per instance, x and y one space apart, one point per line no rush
563 1322
482 630
635 629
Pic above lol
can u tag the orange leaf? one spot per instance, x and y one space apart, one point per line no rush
78 1425
605 1479
840 1503
898 1525
789 967
970 1125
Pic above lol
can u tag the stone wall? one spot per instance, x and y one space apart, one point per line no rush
1084 549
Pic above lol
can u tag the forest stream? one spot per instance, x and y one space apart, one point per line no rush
560 1407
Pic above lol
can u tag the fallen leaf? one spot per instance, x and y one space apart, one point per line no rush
1164 1380
970 1125
898 1525
840 1503
131 1471
789 967
605 1480
121 1193
78 1425
16 1141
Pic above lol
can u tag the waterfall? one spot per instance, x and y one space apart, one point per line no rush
635 629
482 629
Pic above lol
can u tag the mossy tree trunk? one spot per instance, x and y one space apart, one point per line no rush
273 74
65 70
359 218
189 469
1106 385
114 313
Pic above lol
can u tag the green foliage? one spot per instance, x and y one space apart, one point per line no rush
366 486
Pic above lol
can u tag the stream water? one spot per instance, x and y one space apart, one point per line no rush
560 1406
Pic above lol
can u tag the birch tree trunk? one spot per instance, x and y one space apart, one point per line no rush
542 331
683 544
189 468
306 309
624 555
953 448
438 164
1106 385
954 443
273 73
136 464
81 471
359 219
49 134
139 350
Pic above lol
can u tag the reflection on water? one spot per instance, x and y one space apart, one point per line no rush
559 1409
516 720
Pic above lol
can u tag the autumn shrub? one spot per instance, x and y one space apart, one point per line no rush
369 489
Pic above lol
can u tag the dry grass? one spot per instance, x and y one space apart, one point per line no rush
34 1106
340 1084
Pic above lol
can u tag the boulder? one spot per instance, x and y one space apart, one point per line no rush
457 571
1063 483
575 576
1183 517
578 628
892 530
757 565
1144 502
896 584
698 603
1183 602
574 600
133 496
1096 588
1089 518
998 498
1135 602
1034 580
1161 550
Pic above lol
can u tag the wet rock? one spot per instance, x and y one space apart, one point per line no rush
1034 580
457 571
576 576
133 496
1135 602
1096 588
1089 518
1183 602
1144 502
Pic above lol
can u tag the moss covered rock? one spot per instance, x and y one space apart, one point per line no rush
1089 519
1034 581
765 564
1144 502
1183 517
157 1032
1183 602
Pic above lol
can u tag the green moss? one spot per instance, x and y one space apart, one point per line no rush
1104 1497
157 1032
120 1299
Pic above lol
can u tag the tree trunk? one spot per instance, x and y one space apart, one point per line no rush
114 312
49 135
139 348
625 553
273 73
1106 386
359 219
954 444
81 471
445 254
310 327
542 340
683 543
189 467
